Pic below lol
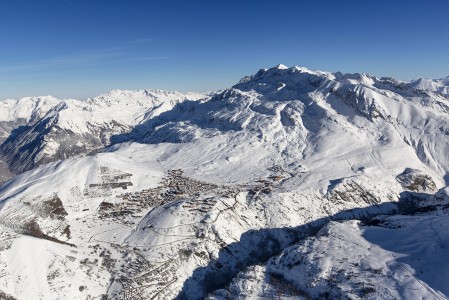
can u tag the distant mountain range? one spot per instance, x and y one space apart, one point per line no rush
39 130
292 184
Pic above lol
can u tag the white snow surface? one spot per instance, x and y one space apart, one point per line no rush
438 85
57 129
271 180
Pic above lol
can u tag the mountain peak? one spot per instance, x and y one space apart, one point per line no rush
227 187
281 67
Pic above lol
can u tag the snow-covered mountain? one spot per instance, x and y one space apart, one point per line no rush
292 184
439 85
42 130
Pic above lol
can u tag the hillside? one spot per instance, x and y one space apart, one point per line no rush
293 183
37 131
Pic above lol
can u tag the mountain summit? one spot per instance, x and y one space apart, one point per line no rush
294 183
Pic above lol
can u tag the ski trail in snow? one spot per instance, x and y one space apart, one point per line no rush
423 286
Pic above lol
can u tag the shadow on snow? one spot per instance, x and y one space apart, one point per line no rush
257 246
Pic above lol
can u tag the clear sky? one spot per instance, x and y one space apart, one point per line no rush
81 48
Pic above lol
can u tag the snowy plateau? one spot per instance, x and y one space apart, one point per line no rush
292 184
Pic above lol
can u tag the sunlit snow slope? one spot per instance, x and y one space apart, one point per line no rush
292 184
42 130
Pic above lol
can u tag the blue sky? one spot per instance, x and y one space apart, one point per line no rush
81 48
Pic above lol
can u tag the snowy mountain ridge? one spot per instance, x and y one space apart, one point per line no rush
46 129
439 85
292 184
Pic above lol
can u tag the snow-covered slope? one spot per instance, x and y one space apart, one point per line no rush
15 116
435 85
265 189
48 129
403 256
